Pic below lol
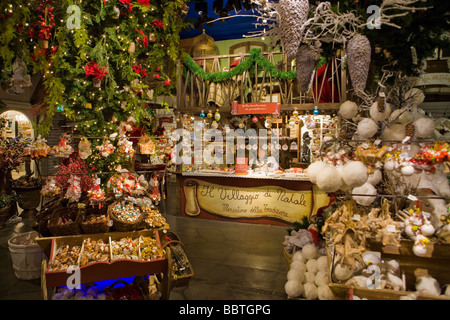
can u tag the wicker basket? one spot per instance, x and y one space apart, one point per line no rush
89 227
66 229
178 250
123 226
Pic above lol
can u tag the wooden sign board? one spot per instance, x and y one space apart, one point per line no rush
251 202
256 108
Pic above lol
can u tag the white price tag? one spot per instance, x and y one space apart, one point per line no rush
412 198
356 217
391 228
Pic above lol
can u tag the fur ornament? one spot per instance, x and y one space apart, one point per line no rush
329 179
342 272
310 277
375 177
310 251
414 96
298 256
401 116
292 14
296 275
367 128
305 61
358 60
367 189
321 278
348 110
380 110
297 265
293 289
424 127
310 291
322 263
428 285
324 293
394 132
314 169
311 266
354 174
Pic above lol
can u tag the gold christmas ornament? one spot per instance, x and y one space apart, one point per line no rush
209 115
132 47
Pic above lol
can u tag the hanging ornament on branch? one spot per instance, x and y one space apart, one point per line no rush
358 60
306 61
291 15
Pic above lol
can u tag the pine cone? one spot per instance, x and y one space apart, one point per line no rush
381 105
305 61
358 59
291 16
410 130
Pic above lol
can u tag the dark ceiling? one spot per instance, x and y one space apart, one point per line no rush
203 11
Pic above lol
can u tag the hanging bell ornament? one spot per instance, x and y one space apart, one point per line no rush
255 119
202 114
316 111
209 115
217 116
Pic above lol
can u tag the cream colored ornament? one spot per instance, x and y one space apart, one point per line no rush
329 179
378 115
414 96
354 174
394 132
342 272
402 116
367 128
424 127
365 195
293 289
407 170
358 60
348 110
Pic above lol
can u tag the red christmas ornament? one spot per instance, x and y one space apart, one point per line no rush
156 76
167 82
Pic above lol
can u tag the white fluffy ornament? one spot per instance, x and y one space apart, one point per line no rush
414 96
424 127
342 272
366 189
367 128
348 110
375 177
298 265
322 263
314 170
310 291
310 277
293 289
407 170
401 116
428 285
321 278
354 174
329 179
311 265
324 293
296 275
310 251
298 256
394 132
378 115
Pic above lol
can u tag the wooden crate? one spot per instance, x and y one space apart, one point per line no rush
436 264
112 269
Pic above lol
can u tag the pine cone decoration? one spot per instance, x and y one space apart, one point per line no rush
305 61
380 104
358 59
410 130
291 16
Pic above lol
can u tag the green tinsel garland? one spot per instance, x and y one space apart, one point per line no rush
254 58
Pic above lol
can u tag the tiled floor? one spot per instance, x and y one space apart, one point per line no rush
231 260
